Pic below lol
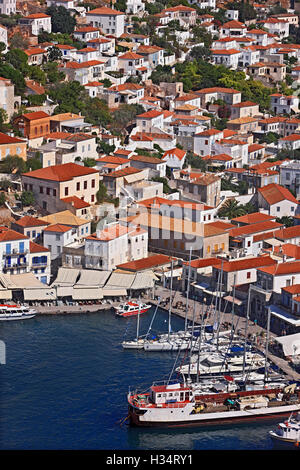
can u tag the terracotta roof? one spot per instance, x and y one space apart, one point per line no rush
233 24
130 56
247 263
29 221
35 115
113 159
63 172
153 113
146 263
288 249
7 234
203 263
145 159
35 248
37 15
76 202
109 233
294 289
7 139
273 193
105 11
58 228
122 173
253 218
179 153
282 268
254 228
288 233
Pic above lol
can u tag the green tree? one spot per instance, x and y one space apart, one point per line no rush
231 209
54 53
27 198
17 59
13 164
61 19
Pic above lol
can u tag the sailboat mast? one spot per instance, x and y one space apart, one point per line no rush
187 291
246 328
138 323
267 345
170 306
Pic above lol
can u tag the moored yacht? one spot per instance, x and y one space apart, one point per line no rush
287 433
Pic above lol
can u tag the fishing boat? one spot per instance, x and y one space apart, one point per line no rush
16 312
287 433
182 405
131 308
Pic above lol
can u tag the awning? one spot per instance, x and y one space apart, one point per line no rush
114 292
118 280
290 344
39 294
92 277
26 281
66 276
87 293
276 311
64 291
143 281
229 298
5 294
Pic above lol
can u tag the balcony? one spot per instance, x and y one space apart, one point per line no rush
16 252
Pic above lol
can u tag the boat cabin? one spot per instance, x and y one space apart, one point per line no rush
166 394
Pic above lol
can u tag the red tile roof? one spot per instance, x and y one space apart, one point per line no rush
105 11
7 234
247 263
179 153
58 228
76 202
288 233
274 193
254 228
63 172
146 263
29 221
35 248
203 263
253 218
281 269
7 139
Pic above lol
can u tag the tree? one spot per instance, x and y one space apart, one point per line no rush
231 209
54 53
27 198
286 220
61 19
13 164
2 199
17 59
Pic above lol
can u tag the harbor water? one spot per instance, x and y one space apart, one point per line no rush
65 382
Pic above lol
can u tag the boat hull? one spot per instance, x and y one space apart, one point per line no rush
213 419
19 317
133 313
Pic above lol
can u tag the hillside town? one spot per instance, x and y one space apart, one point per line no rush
149 144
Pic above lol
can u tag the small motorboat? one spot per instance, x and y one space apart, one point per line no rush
287 433
131 308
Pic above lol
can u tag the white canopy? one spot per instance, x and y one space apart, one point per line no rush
87 293
66 276
290 344
92 277
118 280
39 294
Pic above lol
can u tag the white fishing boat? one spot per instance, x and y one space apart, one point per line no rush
287 433
16 312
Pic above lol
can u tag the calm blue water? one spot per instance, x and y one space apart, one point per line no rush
65 382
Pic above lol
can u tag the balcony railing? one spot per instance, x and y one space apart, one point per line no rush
15 252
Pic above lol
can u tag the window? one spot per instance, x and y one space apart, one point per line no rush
41 190
77 186
93 183
85 185
66 191
249 275
54 192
